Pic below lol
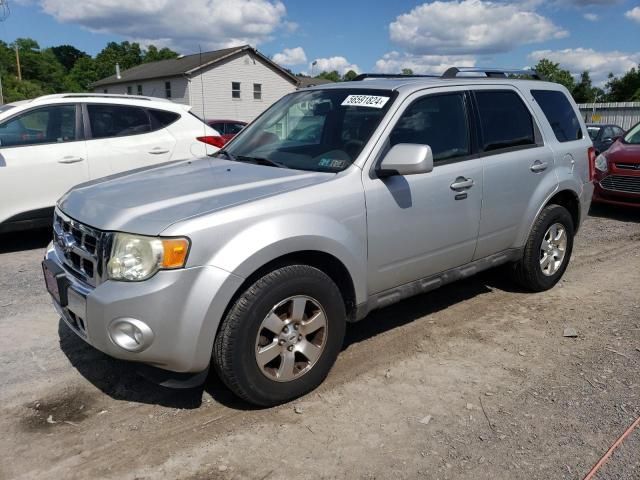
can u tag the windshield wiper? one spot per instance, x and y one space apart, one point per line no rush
261 161
227 154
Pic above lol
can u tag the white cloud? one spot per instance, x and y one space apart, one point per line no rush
599 64
394 62
291 56
330 64
633 14
180 24
469 27
592 17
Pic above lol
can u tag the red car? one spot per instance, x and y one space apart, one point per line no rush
226 128
617 171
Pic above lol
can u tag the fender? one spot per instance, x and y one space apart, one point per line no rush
265 241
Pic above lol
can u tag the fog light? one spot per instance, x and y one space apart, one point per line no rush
130 334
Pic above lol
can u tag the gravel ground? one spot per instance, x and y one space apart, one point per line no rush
472 381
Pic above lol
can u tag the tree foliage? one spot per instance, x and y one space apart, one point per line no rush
625 88
64 68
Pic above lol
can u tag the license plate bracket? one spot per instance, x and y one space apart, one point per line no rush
56 281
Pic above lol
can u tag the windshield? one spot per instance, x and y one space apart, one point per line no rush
633 136
593 132
318 130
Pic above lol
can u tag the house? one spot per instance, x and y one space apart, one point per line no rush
304 82
238 82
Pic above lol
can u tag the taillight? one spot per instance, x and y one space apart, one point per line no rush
592 163
212 140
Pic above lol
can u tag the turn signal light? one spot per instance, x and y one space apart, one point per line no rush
175 252
592 163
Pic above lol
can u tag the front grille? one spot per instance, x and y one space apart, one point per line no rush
621 183
628 166
79 247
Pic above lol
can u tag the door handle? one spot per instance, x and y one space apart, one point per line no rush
158 151
70 159
539 166
462 183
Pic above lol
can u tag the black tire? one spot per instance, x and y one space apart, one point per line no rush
528 272
234 352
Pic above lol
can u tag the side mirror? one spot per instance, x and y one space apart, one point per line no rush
406 159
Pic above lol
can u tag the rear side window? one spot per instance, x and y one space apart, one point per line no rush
505 121
162 118
118 120
233 128
560 113
439 121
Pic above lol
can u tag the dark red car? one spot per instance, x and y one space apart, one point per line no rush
617 171
226 128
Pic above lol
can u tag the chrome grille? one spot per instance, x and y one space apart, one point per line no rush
621 183
79 247
628 166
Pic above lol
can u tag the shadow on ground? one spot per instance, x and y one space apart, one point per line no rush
615 212
27 240
120 379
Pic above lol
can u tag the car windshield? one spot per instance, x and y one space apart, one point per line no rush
593 132
633 136
316 130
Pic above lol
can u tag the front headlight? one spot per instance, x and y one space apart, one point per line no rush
136 257
601 163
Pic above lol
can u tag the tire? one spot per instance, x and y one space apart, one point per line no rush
250 328
529 271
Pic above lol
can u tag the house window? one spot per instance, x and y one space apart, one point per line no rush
257 91
139 89
167 89
129 90
235 89
105 91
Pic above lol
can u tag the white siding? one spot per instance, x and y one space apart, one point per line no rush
216 83
153 88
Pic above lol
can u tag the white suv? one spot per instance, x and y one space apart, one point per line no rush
54 142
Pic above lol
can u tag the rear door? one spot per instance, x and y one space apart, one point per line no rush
517 164
125 137
42 155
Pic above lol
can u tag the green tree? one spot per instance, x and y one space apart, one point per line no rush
584 91
126 54
152 54
407 71
553 73
350 75
68 55
625 88
334 76
83 74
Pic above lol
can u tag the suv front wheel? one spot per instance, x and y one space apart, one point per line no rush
547 251
281 336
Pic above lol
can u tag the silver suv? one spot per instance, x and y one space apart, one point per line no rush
338 200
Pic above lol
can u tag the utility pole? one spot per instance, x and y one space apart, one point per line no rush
1 95
18 63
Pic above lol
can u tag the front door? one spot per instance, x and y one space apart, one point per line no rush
42 156
420 225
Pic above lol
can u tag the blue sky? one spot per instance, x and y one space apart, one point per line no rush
599 35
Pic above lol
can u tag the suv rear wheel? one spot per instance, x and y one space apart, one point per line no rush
548 249
282 336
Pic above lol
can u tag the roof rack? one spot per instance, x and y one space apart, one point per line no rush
491 72
364 76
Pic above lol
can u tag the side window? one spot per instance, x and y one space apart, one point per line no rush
233 128
117 120
559 112
505 121
439 121
618 132
162 118
53 124
235 89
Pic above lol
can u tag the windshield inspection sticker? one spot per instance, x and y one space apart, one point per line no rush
372 101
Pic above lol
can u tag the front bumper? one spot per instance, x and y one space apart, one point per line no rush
181 307
622 193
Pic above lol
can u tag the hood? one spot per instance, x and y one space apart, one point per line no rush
150 200
621 152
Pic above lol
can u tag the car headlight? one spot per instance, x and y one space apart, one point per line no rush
136 257
601 163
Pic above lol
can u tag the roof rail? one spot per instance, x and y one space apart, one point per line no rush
491 72
364 76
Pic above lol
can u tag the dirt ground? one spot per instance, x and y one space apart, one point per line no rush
472 381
